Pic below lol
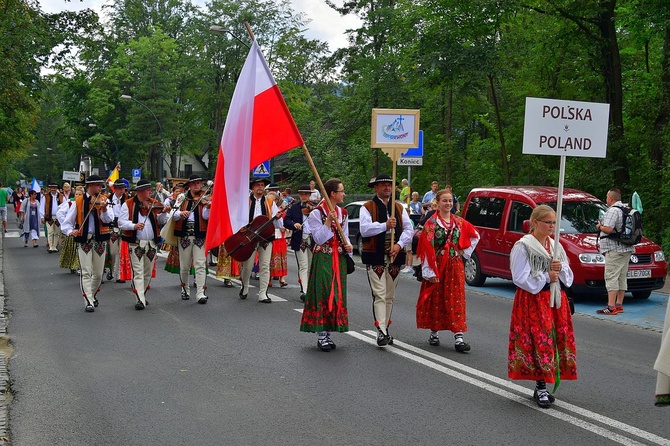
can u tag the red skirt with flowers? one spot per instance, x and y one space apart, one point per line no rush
279 261
316 315
441 305
125 268
541 339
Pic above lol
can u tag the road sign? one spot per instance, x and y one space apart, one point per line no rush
262 170
71 175
415 151
417 161
137 172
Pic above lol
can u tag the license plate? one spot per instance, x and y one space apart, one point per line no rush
639 273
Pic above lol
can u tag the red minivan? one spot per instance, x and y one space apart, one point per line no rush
499 214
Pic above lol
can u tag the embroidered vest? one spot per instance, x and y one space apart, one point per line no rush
375 247
101 229
200 223
134 215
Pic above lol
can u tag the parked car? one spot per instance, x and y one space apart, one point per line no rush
499 214
354 209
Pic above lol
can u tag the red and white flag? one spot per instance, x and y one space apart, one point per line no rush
258 127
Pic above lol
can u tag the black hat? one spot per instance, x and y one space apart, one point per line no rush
254 180
141 185
94 179
119 183
52 184
272 186
304 188
383 178
192 178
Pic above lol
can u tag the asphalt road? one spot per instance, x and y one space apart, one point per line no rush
236 372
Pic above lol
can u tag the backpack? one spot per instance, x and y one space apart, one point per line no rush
631 228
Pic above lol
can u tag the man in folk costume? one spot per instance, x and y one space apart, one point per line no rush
52 199
88 222
119 197
190 228
140 219
301 240
382 256
260 205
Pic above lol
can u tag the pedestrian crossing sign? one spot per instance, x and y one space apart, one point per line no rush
262 170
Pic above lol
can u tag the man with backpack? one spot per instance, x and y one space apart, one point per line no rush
617 254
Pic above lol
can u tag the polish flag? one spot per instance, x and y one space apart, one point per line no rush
259 126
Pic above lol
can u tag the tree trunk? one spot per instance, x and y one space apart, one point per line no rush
448 132
501 136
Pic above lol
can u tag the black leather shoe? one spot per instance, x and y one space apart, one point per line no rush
120 281
382 339
267 300
227 283
323 345
541 397
243 296
90 308
184 294
139 305
202 300
109 275
462 347
95 302
331 343
550 396
434 340
302 297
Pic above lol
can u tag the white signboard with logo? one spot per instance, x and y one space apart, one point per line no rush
570 128
394 128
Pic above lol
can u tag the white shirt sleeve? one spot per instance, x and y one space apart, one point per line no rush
125 223
368 227
320 232
68 223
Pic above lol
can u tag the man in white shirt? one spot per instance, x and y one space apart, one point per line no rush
49 207
140 219
88 222
118 198
382 256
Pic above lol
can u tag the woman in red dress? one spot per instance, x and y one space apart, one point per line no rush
541 338
444 241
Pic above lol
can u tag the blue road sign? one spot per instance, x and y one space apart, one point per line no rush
262 170
416 151
136 172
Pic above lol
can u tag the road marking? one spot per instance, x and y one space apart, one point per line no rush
435 362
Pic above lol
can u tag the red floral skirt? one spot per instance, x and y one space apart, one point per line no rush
541 339
441 306
278 261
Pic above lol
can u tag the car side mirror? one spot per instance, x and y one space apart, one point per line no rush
526 226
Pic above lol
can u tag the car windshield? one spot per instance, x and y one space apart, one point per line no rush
580 217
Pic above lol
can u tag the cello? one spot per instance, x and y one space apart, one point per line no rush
241 245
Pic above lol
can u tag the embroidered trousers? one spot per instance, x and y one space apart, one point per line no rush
53 235
92 262
142 257
192 251
383 281
264 256
304 260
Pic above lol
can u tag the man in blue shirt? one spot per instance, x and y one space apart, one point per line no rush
430 195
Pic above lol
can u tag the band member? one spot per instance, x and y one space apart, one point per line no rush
88 222
139 220
191 229
301 240
119 197
259 205
383 258
52 199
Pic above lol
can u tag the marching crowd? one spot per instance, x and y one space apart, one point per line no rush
118 236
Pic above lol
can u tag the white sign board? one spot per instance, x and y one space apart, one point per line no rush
412 161
394 128
570 128
71 175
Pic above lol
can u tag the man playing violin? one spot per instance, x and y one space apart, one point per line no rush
139 220
88 222
52 199
301 240
118 198
259 205
191 228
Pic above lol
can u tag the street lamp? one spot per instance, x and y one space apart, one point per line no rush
160 131
221 30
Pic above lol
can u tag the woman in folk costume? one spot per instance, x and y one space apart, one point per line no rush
68 252
444 241
541 339
279 259
30 215
326 301
227 268
662 365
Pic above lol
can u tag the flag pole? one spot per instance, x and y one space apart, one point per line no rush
317 177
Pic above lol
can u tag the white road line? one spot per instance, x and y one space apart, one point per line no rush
436 359
299 310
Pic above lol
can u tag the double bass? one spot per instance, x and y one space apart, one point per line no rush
241 245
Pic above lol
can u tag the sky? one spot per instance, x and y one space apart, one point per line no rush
326 24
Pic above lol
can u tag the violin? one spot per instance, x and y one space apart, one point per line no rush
307 207
241 245
100 200
152 205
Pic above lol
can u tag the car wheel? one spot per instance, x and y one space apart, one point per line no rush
473 271
641 294
359 245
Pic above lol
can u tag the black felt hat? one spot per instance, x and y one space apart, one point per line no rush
94 179
383 178
304 188
192 178
255 180
141 185
119 183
